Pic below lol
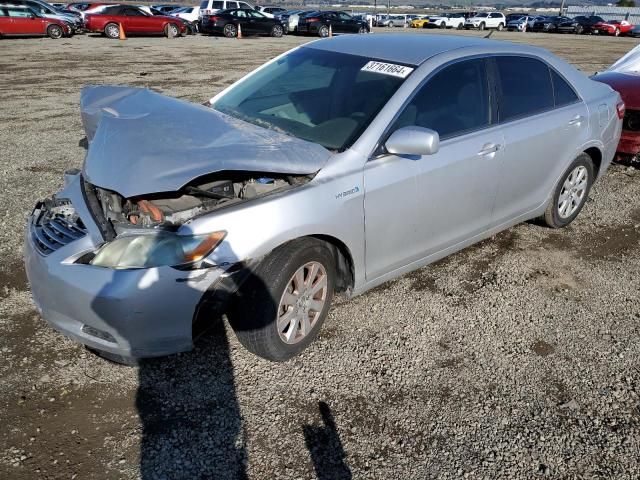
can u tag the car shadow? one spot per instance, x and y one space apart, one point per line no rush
324 445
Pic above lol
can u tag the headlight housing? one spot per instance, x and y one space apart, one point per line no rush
157 250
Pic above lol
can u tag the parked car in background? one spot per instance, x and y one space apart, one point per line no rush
390 20
580 24
420 22
533 20
518 24
251 22
191 15
166 8
318 23
485 20
208 7
635 31
447 20
291 18
178 205
550 24
613 27
270 11
134 21
21 21
624 77
47 11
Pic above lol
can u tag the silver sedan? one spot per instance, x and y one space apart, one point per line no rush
334 167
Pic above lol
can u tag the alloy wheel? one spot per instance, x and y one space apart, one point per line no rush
302 302
573 192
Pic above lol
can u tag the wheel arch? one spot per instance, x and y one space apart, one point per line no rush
345 267
596 158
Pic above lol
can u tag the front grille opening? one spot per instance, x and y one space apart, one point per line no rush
631 121
50 232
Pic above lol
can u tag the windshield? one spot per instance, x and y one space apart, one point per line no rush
325 97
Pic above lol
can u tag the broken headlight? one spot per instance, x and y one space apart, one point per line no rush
156 250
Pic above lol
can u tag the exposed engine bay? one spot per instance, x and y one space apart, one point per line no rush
172 209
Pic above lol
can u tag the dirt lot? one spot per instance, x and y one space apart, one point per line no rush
516 358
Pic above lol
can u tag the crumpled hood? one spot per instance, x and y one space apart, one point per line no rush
142 142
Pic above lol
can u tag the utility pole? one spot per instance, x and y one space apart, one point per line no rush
561 8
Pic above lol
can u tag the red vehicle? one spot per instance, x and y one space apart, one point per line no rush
134 21
624 77
613 27
18 21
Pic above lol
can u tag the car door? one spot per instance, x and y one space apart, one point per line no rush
347 23
260 23
26 22
135 21
331 18
415 206
544 122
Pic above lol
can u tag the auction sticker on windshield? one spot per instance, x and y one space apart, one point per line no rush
387 69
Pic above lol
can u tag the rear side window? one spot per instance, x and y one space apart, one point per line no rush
562 91
454 101
204 4
217 5
525 86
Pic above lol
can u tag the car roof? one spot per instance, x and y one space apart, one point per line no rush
410 49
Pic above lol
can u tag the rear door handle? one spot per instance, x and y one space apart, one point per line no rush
577 120
489 148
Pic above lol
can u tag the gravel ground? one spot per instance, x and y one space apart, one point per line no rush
516 358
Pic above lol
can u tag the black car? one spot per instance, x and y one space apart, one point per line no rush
580 24
549 24
318 23
250 22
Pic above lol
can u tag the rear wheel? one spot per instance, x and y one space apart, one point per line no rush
617 32
230 30
571 193
500 27
54 31
460 26
323 31
390 24
362 30
276 31
579 30
112 30
283 305
171 30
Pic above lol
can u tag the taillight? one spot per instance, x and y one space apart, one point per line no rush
214 19
620 108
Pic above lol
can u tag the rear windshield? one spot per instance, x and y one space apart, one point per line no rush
325 97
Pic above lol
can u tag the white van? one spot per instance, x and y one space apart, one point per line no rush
209 7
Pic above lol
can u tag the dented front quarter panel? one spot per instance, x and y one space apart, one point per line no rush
142 142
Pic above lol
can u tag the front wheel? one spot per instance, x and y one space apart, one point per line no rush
390 25
171 30
54 31
579 30
460 26
323 31
362 30
571 193
112 30
276 31
443 25
617 32
285 302
482 26
230 30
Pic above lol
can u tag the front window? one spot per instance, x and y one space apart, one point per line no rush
324 97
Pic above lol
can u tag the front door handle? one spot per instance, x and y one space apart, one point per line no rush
489 148
577 120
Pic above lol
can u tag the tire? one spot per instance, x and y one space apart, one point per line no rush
55 31
171 30
482 26
390 25
112 30
230 30
425 25
323 31
579 30
500 27
276 31
256 316
460 26
362 30
443 25
573 200
616 33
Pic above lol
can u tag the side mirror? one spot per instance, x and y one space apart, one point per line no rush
413 141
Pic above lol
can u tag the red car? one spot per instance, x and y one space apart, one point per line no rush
134 21
624 77
17 21
613 27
